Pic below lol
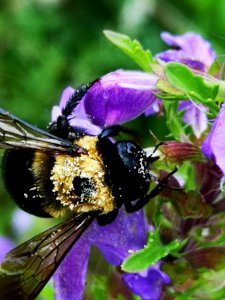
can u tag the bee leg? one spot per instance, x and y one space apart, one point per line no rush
110 131
137 204
152 158
115 130
141 202
107 218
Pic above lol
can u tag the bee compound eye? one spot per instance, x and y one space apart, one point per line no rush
83 186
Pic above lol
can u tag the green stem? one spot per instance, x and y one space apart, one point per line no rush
221 91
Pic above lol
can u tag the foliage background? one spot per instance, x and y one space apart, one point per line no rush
46 45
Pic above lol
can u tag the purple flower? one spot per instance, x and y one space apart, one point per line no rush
155 108
214 144
5 246
147 284
80 119
115 98
195 116
190 49
127 233
21 221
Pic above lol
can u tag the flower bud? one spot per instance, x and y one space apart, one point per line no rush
178 152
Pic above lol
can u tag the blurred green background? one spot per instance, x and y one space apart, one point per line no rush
46 45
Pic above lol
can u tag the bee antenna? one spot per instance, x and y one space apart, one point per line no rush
164 181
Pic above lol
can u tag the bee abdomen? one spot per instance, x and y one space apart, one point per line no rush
21 184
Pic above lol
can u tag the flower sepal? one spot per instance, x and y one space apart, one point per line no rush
191 205
178 152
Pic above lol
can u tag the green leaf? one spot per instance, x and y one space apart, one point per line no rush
132 48
184 79
151 254
169 91
193 85
174 119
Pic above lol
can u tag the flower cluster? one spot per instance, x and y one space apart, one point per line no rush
114 99
183 85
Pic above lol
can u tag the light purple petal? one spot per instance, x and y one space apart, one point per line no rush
154 108
78 119
69 279
195 116
147 284
56 112
81 121
57 109
85 126
119 97
214 144
191 47
5 246
21 221
66 95
180 56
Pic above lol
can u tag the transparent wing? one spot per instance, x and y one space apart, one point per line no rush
27 268
15 133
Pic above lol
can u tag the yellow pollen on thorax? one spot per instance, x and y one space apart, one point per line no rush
89 166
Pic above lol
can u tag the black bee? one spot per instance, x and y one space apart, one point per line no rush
64 172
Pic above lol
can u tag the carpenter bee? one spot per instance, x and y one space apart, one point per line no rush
64 172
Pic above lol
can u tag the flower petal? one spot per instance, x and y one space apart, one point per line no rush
180 56
78 118
119 97
195 116
85 126
5 246
57 109
56 112
127 232
154 108
115 98
147 284
191 47
66 95
21 221
214 144
69 279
